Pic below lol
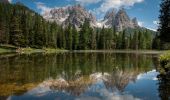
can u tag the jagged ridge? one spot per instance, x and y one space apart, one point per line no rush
76 15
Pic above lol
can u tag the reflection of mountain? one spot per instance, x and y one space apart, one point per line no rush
72 72
121 79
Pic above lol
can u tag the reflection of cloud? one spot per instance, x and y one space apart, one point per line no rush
109 96
87 98
151 75
116 96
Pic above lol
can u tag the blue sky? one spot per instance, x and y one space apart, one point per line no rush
146 11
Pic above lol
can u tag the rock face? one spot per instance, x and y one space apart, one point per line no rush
76 15
109 18
4 1
120 20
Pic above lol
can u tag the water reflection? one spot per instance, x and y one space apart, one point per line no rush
77 76
164 87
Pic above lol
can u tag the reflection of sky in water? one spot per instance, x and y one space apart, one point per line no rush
144 88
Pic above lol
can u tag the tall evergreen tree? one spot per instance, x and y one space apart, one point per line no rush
135 41
16 36
75 38
84 35
164 25
102 39
123 42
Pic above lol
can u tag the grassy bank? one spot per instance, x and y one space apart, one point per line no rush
10 48
44 50
3 50
164 62
7 48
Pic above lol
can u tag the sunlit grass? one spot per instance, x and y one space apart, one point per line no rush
165 56
2 50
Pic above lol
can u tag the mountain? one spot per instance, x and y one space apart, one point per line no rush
120 20
76 15
4 1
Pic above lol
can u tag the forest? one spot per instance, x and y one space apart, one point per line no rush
22 27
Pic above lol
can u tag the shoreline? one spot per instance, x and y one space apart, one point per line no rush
51 50
30 50
121 51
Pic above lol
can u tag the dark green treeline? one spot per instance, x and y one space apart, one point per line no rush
21 27
164 24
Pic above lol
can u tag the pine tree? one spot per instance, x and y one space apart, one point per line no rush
2 27
148 39
123 42
92 39
16 37
24 27
164 24
84 35
156 42
102 39
69 37
142 41
75 38
135 41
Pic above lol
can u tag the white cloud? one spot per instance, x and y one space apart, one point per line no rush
108 4
84 2
156 22
44 9
153 29
140 23
10 1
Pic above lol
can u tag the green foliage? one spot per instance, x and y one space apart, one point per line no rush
75 38
156 43
21 27
84 35
164 62
164 27
165 57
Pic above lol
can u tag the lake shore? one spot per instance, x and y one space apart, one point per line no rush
13 49
121 51
52 50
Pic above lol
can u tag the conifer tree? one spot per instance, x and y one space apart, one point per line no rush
16 37
164 24
75 38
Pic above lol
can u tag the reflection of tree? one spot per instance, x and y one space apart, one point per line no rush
35 68
164 87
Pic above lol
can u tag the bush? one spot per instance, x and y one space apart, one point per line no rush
165 62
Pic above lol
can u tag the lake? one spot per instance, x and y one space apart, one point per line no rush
81 76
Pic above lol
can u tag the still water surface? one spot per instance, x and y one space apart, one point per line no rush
81 76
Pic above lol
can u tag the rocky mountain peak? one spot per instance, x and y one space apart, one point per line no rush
122 20
4 1
110 14
135 22
74 15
